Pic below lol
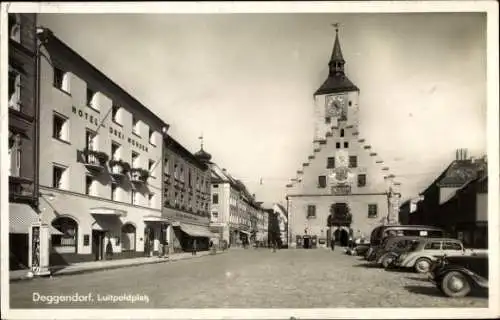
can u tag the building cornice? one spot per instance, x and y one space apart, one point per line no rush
333 195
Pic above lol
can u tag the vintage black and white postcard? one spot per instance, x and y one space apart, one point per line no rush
261 160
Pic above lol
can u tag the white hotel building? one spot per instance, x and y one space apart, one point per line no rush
100 161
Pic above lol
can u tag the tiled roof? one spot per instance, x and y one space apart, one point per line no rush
460 173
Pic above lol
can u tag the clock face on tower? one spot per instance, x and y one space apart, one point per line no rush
335 106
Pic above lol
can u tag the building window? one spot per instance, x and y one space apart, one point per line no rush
151 136
353 161
176 172
189 178
114 191
114 113
215 198
322 181
58 180
135 160
342 133
330 163
350 103
346 144
166 168
182 173
311 211
61 80
215 186
115 150
90 99
133 194
328 119
60 127
14 157
90 140
337 145
15 27
151 200
151 166
14 90
89 185
372 211
135 125
361 180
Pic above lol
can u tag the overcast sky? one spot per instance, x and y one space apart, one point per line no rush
246 82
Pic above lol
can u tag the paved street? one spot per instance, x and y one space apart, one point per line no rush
249 278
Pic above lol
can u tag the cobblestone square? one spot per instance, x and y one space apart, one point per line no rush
252 278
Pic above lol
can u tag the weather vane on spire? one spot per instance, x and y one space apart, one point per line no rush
201 140
336 26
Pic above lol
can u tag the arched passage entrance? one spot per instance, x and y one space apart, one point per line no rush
67 242
342 236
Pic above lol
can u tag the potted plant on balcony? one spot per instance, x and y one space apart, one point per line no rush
139 173
119 166
102 157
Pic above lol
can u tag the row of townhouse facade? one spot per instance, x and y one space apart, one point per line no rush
457 201
235 214
96 167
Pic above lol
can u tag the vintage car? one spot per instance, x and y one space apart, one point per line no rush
358 247
426 251
380 233
456 276
393 248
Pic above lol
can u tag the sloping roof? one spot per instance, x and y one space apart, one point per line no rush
336 83
460 172
282 209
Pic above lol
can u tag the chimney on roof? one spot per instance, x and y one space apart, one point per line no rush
461 154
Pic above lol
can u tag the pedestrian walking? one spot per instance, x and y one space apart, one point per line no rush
165 249
109 250
332 242
193 252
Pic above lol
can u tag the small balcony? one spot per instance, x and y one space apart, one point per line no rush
94 160
118 168
139 175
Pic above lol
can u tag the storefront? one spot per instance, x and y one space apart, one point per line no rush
188 229
89 229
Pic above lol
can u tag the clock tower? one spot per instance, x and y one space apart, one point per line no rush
336 100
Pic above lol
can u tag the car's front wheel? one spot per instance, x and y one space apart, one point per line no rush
423 265
455 284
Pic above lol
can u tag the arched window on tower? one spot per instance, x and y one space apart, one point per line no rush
342 133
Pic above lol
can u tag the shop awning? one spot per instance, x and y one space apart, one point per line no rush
197 231
245 232
108 211
154 218
22 217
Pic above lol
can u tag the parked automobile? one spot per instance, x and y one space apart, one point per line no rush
380 233
393 248
358 247
426 251
456 276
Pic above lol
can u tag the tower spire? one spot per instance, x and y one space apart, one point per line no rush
201 140
336 80
336 60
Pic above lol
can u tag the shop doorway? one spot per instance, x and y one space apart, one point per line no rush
98 244
307 242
